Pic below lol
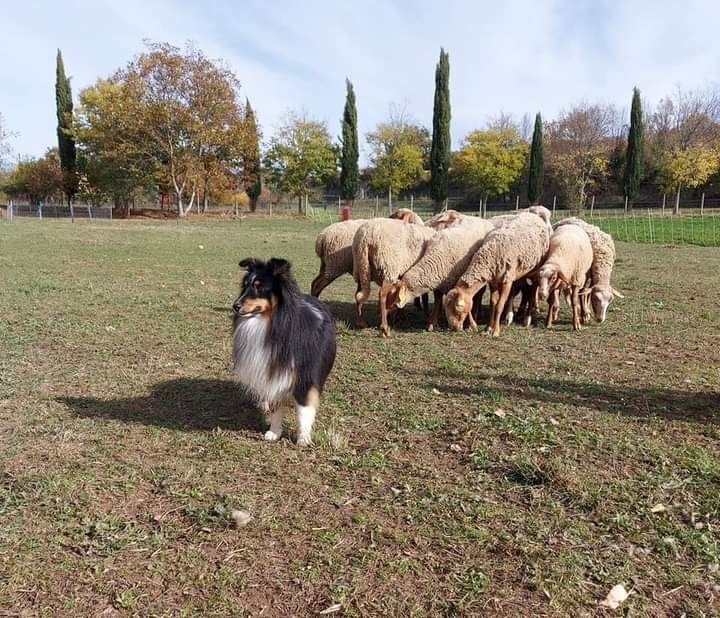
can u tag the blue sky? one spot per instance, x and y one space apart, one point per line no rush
515 57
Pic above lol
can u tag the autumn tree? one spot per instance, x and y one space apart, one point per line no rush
36 179
251 172
440 149
490 161
399 149
633 170
685 133
577 146
349 174
66 143
175 111
115 156
300 156
536 163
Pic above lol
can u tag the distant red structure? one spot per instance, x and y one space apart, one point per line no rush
345 213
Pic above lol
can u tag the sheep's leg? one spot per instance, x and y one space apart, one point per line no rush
360 299
426 306
471 320
494 297
437 308
576 309
477 303
504 295
553 301
323 280
382 302
585 307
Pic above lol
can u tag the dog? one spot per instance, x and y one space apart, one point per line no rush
284 344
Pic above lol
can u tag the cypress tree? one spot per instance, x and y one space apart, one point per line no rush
349 157
251 159
634 157
440 151
535 166
66 144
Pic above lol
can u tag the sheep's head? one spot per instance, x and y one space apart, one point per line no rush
399 295
600 298
407 215
547 278
458 304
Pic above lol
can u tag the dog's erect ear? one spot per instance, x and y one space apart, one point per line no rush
249 263
279 267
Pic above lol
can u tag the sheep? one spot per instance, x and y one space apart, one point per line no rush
383 249
507 254
446 257
445 219
334 248
601 291
407 215
568 260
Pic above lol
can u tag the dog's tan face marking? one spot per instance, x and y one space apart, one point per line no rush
261 306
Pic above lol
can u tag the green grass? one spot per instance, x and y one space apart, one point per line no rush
452 475
669 230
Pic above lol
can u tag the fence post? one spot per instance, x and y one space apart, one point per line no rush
480 208
663 205
702 203
412 201
72 213
554 203
89 213
377 205
40 210
339 204
10 211
626 203
592 205
517 202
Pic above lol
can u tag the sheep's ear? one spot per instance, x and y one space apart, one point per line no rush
279 267
250 263
616 293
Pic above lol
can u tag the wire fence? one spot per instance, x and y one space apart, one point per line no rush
55 211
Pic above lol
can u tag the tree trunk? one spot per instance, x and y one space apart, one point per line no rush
253 203
205 195
676 209
300 204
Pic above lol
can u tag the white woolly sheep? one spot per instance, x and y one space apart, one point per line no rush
333 246
568 260
446 257
407 215
601 291
383 249
508 253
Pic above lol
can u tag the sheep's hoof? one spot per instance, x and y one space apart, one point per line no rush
430 328
384 332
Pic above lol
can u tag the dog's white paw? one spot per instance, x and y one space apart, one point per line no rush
271 436
304 440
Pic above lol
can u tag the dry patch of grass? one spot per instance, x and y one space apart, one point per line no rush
452 474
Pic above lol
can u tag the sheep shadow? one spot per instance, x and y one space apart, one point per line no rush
409 319
640 402
183 404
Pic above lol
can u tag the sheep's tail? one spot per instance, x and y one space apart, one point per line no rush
361 269
320 245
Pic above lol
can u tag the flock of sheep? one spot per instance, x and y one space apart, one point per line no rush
456 256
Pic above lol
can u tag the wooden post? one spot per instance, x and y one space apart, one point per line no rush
10 211
40 210
702 203
72 213
89 213
592 205
412 201
339 204
554 203
663 205
480 208
626 203
377 205
517 202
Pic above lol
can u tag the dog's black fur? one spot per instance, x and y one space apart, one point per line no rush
302 333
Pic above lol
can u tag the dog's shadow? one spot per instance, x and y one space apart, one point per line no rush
185 404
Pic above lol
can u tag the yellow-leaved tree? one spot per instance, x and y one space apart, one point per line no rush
490 161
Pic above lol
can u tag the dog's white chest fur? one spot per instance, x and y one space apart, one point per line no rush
251 351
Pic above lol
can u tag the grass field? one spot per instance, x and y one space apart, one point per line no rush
452 475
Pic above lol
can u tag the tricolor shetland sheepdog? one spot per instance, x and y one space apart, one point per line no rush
283 344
